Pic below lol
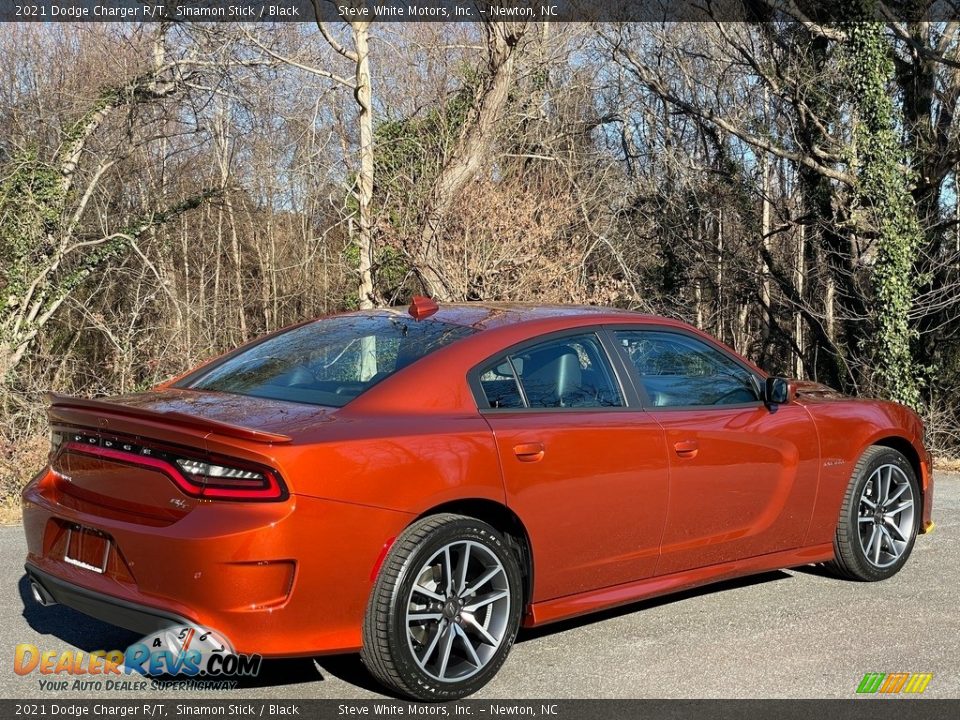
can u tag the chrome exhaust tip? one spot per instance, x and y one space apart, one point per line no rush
40 595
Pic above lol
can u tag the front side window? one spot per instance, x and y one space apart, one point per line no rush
330 361
568 372
677 370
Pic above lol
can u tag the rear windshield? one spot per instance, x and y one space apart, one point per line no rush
330 361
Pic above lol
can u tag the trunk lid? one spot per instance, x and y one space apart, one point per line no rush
126 457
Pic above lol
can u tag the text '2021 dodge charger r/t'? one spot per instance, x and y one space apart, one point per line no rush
417 484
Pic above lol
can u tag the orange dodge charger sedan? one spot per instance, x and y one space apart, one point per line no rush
417 484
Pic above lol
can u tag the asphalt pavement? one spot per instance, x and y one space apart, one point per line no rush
785 634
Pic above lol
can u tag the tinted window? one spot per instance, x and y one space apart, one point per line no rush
569 372
330 361
500 385
677 370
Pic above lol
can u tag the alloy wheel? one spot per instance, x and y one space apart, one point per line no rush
458 611
886 515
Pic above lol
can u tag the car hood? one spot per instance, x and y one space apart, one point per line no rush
810 391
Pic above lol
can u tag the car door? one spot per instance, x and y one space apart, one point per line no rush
583 467
743 477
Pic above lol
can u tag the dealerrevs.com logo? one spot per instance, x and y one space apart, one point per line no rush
179 657
894 683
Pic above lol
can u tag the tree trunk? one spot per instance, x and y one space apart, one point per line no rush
765 295
363 93
719 275
469 155
799 278
364 97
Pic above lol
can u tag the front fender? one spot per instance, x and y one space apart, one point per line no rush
848 427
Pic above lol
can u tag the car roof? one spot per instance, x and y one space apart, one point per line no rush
489 315
500 326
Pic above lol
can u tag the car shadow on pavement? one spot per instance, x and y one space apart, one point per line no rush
89 634
72 627
279 672
526 635
350 669
819 570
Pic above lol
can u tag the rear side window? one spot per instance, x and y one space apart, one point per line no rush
500 386
330 361
568 372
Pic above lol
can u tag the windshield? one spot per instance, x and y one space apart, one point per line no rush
327 362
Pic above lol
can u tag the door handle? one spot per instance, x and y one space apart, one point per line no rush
687 448
529 452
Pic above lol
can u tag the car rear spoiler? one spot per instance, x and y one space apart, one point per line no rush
57 402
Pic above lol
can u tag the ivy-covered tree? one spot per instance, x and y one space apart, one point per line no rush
46 246
884 209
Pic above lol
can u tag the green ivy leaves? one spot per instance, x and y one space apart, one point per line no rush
885 211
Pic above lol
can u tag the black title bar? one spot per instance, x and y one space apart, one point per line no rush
818 11
186 708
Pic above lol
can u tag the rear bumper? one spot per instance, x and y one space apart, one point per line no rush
139 618
278 579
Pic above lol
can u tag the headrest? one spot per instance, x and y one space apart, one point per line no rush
551 376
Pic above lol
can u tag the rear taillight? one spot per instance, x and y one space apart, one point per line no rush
210 477
227 482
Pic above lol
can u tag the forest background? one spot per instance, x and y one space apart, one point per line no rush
169 191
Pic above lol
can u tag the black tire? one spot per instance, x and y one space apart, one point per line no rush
851 560
387 652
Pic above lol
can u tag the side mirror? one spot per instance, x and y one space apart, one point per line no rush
777 391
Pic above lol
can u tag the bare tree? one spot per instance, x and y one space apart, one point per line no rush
472 149
54 248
